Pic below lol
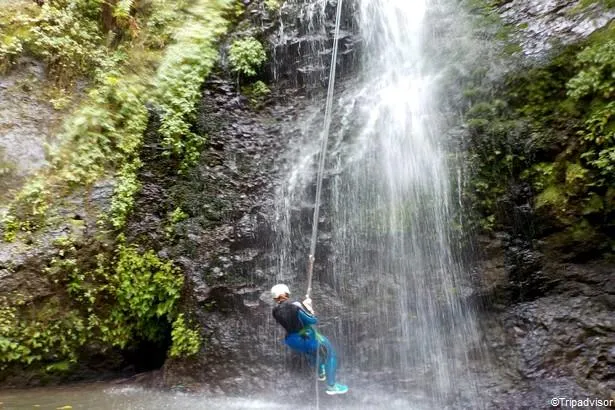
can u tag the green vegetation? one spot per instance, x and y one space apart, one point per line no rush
135 57
67 37
144 289
105 133
50 335
256 92
15 24
173 218
605 3
272 5
186 342
111 303
595 83
246 56
553 129
180 76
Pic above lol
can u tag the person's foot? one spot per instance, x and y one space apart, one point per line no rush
322 374
337 389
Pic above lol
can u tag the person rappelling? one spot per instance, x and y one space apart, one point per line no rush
298 319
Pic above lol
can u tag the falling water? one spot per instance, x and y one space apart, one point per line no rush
389 207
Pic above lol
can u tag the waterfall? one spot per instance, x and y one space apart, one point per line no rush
389 203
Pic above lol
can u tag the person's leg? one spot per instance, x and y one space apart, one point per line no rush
327 356
313 343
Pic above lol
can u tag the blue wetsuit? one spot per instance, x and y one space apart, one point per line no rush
303 338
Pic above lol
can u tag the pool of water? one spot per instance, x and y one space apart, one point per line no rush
99 396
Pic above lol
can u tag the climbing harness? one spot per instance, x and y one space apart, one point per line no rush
323 146
321 170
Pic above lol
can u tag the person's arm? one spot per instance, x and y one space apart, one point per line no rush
306 318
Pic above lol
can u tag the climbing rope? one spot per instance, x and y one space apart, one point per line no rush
323 147
321 171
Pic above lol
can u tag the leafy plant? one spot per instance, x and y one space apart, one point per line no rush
145 289
177 215
256 92
10 48
125 190
68 42
548 132
49 334
28 210
595 81
246 56
185 342
180 76
272 5
115 302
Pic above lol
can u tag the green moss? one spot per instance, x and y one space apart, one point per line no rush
594 204
109 302
605 3
27 211
551 127
551 196
583 232
575 175
125 190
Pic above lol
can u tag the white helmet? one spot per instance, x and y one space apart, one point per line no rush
278 290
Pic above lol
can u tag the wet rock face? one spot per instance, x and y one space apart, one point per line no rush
225 247
301 47
548 323
524 270
22 133
562 336
544 24
229 195
22 262
562 332
542 323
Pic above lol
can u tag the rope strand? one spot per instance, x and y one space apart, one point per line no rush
323 146
321 171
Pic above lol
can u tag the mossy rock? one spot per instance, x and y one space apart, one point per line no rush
581 241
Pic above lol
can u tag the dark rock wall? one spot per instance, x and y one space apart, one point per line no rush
549 325
552 330
302 43
225 247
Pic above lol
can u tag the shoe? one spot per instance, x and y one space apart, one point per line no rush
322 373
337 389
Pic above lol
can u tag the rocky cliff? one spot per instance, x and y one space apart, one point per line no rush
542 196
